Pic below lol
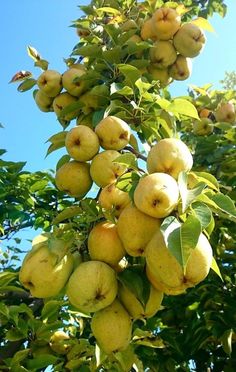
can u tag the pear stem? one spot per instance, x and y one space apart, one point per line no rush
136 153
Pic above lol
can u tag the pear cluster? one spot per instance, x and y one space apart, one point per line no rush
174 45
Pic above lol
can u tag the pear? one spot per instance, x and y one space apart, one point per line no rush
225 112
165 272
204 113
92 286
169 155
203 127
147 30
104 170
59 342
181 69
113 133
82 143
113 200
104 243
74 178
44 272
50 82
135 308
165 23
136 229
62 101
189 40
156 195
71 83
112 328
163 54
43 102
162 75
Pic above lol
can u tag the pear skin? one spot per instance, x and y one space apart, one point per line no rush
113 200
113 133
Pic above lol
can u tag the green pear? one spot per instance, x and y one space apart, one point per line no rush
165 23
203 127
136 229
169 155
104 243
181 69
163 54
50 82
74 178
156 195
135 308
71 82
104 170
45 270
112 328
92 286
43 102
189 40
59 342
62 101
113 132
82 143
161 75
113 200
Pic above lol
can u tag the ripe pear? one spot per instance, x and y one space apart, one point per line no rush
50 82
113 133
43 102
113 199
104 243
136 229
112 328
92 286
203 127
62 101
147 30
74 178
225 112
171 156
59 342
168 274
163 54
82 143
156 195
189 40
181 69
71 83
135 308
165 23
43 272
104 170
162 75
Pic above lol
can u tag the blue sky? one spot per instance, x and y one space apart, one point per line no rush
45 25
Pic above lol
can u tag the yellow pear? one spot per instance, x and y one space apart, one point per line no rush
165 272
50 82
156 195
135 308
43 102
189 40
61 102
82 143
136 229
203 127
163 54
59 342
74 178
113 133
169 155
147 30
43 272
165 23
71 83
104 243
92 286
112 328
225 112
113 199
104 170
181 69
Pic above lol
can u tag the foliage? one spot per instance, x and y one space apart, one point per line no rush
192 331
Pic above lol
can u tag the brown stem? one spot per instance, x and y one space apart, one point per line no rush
136 153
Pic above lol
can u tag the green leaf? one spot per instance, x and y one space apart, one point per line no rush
131 73
66 214
14 334
181 106
136 283
26 85
41 361
107 9
146 338
51 309
203 213
33 53
127 159
38 185
225 203
121 90
207 178
226 340
215 268
63 160
188 196
43 64
7 277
